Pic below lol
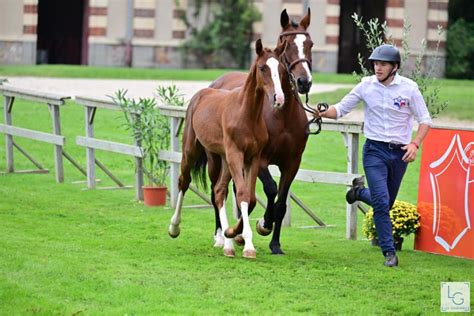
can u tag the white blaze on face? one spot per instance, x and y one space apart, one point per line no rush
299 40
272 63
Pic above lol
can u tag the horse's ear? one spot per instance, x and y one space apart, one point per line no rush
284 19
306 20
259 47
281 48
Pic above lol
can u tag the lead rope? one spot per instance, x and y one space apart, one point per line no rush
317 120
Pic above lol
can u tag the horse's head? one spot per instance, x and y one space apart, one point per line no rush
269 72
297 55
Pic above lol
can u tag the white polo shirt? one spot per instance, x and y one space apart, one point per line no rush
388 110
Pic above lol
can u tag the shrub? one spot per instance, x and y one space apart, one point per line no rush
403 215
460 50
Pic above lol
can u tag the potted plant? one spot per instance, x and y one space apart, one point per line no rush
152 134
405 221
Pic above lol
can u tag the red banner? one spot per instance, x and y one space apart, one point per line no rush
446 193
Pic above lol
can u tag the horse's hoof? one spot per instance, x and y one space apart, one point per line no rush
230 232
173 231
219 242
277 251
250 254
239 240
261 229
229 252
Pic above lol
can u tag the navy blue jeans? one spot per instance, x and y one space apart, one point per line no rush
384 170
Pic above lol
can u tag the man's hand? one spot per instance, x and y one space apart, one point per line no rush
323 111
410 154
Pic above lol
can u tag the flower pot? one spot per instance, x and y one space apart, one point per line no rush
398 241
154 196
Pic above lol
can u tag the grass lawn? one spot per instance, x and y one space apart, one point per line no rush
67 250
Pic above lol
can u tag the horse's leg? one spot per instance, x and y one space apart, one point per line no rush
192 150
265 225
235 161
221 190
287 175
214 169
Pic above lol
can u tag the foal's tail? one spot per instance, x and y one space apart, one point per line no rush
198 172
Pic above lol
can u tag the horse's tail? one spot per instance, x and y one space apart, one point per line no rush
198 172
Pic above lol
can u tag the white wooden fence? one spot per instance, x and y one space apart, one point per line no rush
349 130
91 143
54 101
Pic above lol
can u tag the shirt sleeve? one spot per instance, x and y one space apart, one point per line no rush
419 108
350 101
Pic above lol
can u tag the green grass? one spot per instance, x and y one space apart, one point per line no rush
67 250
71 71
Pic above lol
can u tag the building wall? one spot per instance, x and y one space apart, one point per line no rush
18 21
157 31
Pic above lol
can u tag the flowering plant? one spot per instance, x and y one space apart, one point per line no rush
403 215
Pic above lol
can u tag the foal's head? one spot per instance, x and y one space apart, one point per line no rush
297 55
269 72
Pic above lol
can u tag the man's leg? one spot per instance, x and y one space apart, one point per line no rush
377 167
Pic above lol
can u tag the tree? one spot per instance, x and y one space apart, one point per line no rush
228 33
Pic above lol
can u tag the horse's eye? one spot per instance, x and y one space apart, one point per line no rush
261 67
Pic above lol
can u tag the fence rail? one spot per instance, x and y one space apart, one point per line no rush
91 144
54 101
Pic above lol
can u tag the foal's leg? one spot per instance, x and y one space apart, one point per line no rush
235 160
192 150
221 190
214 169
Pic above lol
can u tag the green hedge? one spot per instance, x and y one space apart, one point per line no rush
460 50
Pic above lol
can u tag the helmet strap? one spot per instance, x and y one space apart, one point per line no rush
392 73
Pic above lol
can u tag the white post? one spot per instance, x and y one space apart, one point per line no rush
175 167
8 104
58 149
287 219
352 145
90 152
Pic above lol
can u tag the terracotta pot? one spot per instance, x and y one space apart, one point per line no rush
154 196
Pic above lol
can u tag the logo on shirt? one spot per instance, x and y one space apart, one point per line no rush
401 102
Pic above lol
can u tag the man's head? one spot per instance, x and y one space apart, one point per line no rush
385 61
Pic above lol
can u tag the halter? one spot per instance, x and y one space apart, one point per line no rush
321 106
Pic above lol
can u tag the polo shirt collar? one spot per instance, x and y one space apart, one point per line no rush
396 80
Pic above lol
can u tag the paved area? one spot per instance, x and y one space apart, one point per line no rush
136 88
145 88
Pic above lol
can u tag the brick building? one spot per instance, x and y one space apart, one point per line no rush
147 33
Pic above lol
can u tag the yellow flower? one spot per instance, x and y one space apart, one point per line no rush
403 215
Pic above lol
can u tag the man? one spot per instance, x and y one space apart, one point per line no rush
391 101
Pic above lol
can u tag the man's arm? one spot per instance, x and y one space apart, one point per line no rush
329 113
412 147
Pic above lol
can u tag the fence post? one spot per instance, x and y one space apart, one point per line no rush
139 183
352 144
90 152
8 104
175 167
58 149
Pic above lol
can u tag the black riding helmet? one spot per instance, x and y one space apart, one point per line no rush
386 52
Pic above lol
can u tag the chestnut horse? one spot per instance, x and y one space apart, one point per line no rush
229 127
287 128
